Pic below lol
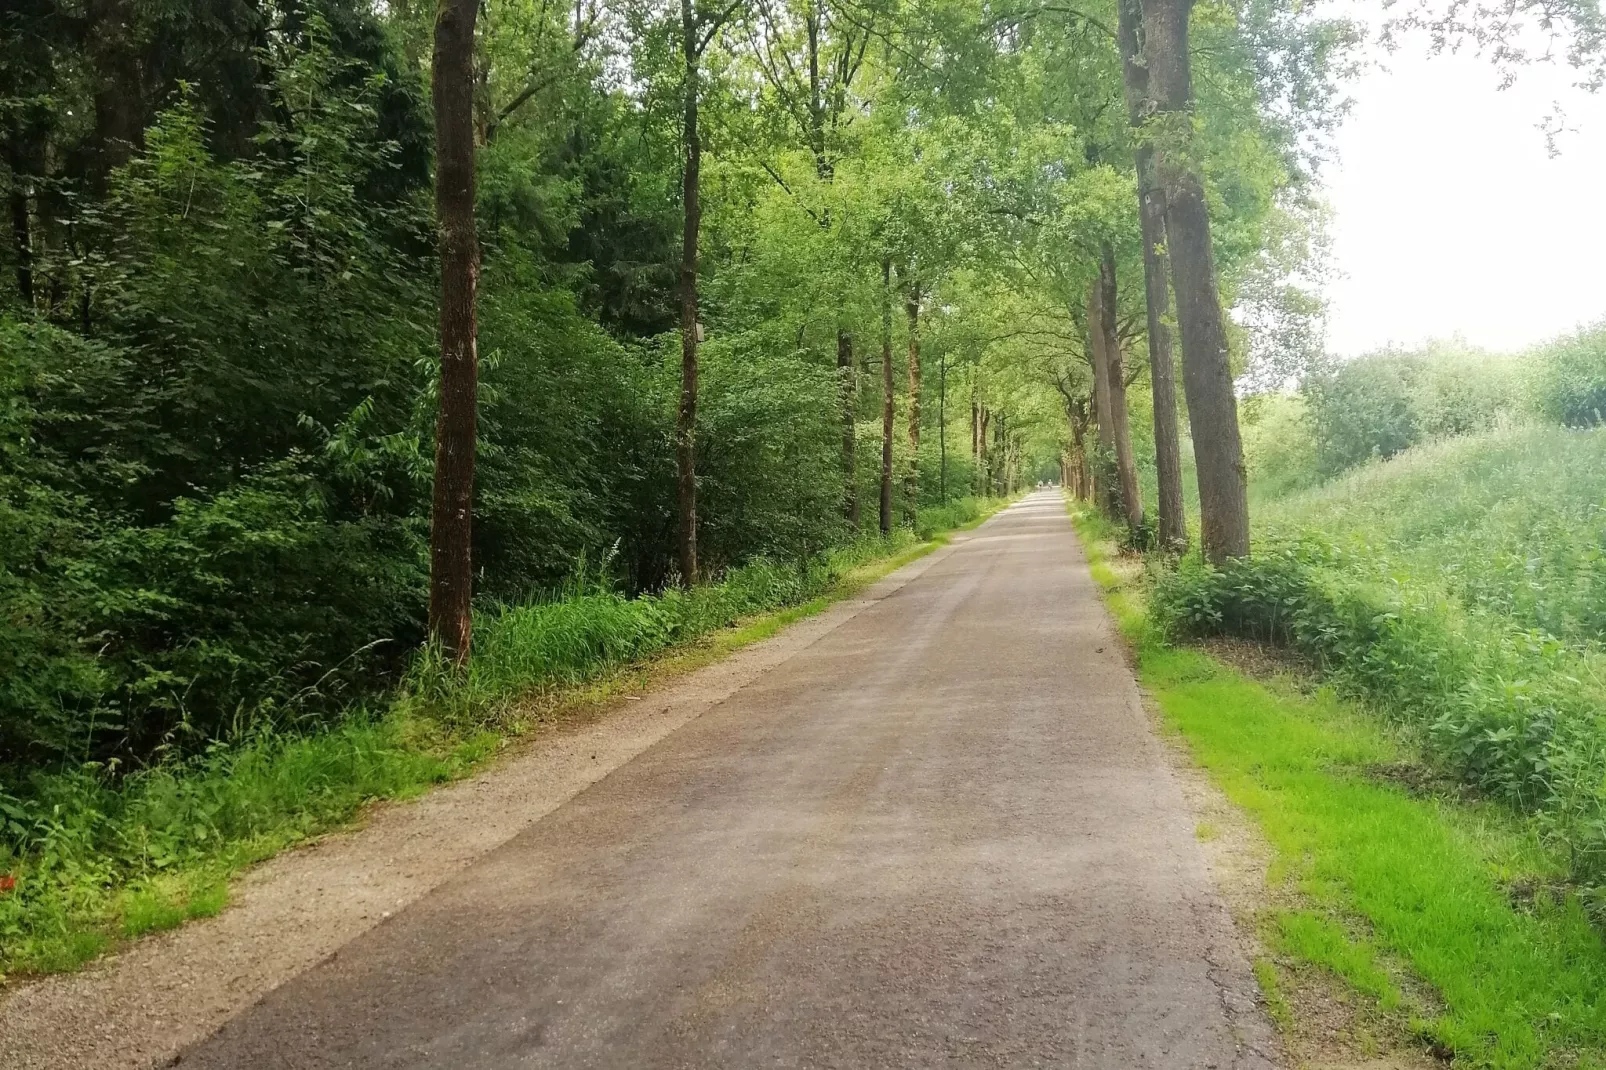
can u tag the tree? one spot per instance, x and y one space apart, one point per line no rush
887 398
911 487
1206 372
811 92
451 577
1107 346
1172 530
697 29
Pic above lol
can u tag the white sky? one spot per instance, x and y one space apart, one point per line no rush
1450 217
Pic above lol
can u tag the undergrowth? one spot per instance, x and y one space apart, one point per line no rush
1457 591
1512 522
95 854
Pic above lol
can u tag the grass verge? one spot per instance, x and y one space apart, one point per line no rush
1430 908
90 859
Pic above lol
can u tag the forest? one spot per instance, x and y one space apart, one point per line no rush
366 368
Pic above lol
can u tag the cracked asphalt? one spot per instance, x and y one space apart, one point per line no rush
942 834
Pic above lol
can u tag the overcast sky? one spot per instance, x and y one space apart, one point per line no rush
1450 217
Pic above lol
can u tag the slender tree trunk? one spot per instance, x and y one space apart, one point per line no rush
1001 452
1126 466
118 95
1173 524
686 417
1105 485
973 418
912 476
942 425
985 461
886 397
452 513
1206 373
22 240
845 370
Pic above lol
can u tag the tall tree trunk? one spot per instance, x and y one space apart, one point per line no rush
1106 487
886 397
686 417
1001 452
1126 466
942 425
1173 524
986 460
452 513
845 371
22 241
118 94
1206 374
912 476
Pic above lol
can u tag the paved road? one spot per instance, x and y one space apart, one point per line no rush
940 836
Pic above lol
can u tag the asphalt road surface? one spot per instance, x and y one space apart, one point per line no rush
942 835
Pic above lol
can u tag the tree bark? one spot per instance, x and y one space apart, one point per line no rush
986 460
912 475
1173 525
1105 484
1126 466
452 512
1206 373
686 416
886 397
942 425
22 241
118 95
845 371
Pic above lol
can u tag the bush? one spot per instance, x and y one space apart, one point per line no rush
1569 380
1509 522
1516 713
1382 404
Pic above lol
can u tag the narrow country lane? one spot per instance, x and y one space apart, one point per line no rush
941 835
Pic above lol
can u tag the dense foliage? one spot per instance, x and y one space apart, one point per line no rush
218 352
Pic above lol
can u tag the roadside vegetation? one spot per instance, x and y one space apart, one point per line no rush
1427 549
98 859
367 371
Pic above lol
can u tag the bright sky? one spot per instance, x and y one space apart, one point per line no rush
1450 216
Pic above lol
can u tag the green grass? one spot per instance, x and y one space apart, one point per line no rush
1385 876
99 858
1512 521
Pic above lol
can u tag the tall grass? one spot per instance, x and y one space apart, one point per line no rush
97 854
1459 590
1513 521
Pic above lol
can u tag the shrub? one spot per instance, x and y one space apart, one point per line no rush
1384 403
1514 712
1569 378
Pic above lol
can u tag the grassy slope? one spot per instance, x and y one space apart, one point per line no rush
1511 521
1388 880
154 851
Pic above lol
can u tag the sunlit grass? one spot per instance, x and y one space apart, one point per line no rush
1384 876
